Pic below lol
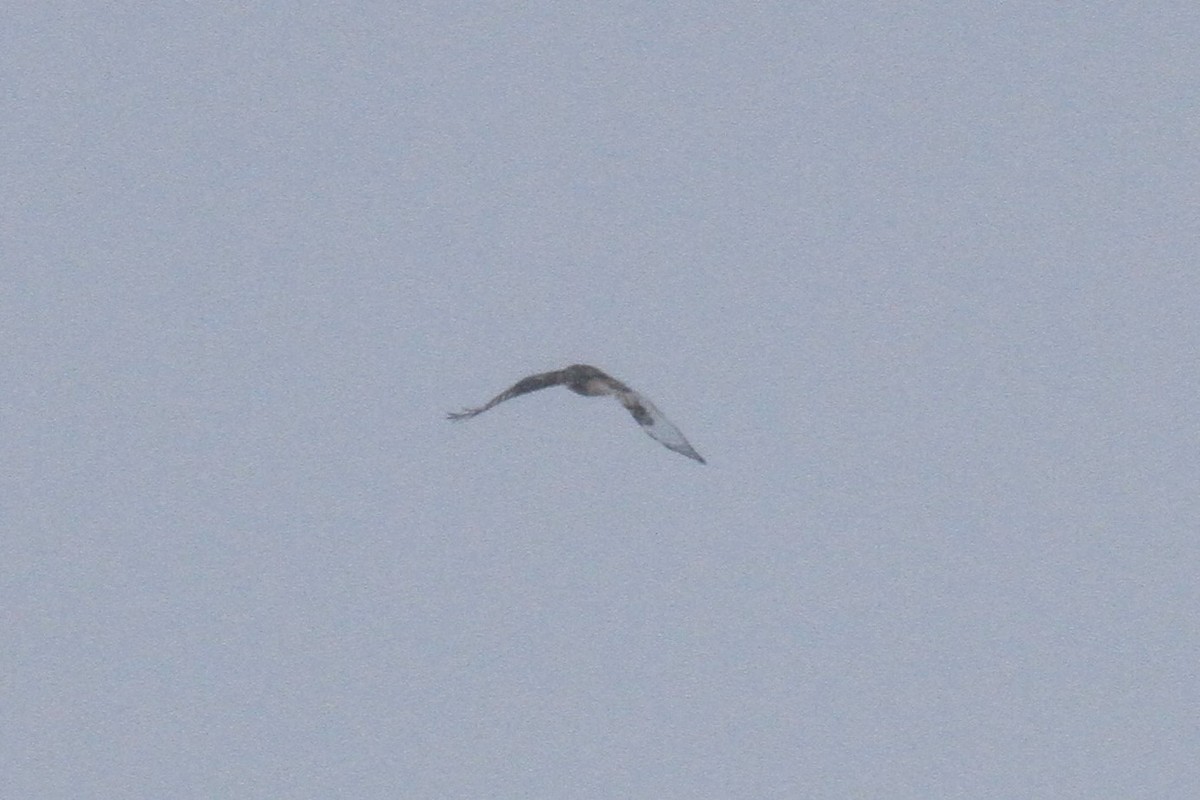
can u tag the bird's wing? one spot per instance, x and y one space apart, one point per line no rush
655 423
523 386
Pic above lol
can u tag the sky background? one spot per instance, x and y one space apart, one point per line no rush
920 282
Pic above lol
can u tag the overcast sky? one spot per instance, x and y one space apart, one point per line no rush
919 280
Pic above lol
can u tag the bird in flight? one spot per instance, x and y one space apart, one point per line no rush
591 382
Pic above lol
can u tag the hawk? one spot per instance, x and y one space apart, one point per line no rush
591 382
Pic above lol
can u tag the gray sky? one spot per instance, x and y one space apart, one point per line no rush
920 283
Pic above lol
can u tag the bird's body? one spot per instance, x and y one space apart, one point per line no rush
591 382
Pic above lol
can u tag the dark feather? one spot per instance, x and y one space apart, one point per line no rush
543 380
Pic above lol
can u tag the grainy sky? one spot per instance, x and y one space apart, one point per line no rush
920 282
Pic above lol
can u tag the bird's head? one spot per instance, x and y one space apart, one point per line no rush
581 372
